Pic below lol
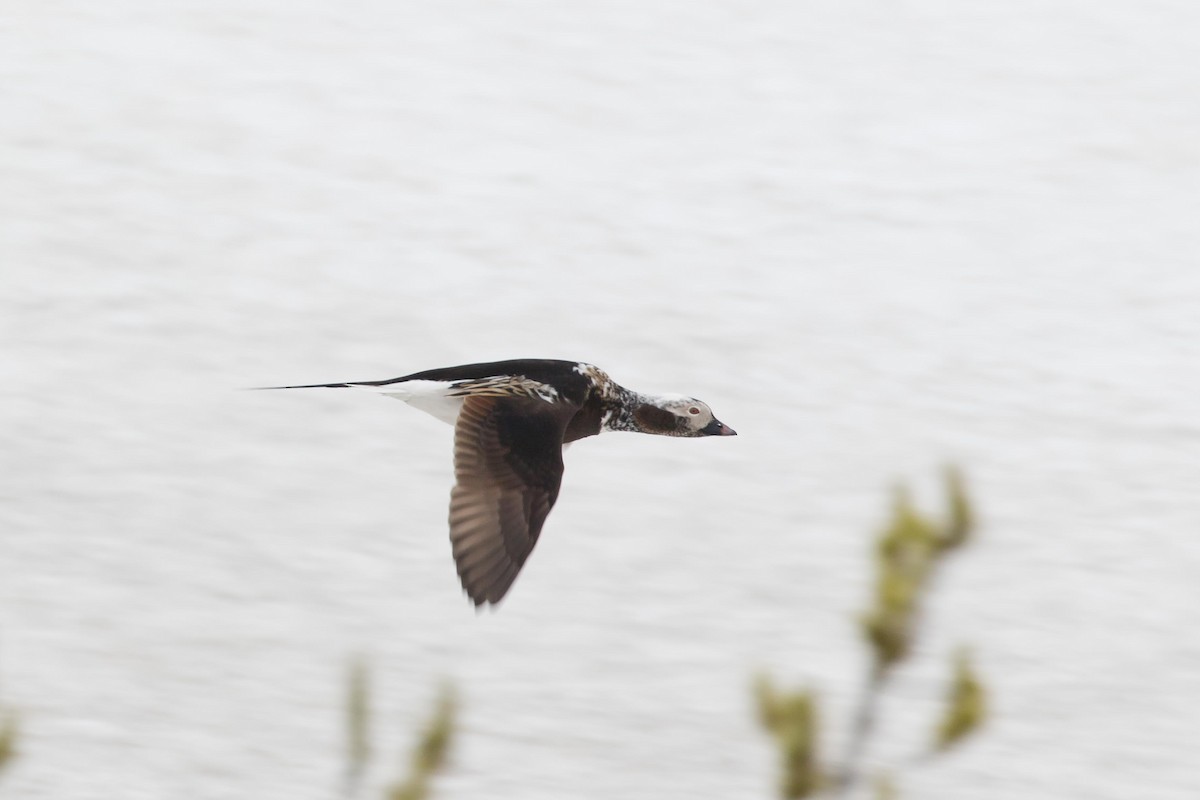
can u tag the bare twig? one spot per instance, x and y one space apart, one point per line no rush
863 726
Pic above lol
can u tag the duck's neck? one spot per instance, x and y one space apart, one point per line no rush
622 409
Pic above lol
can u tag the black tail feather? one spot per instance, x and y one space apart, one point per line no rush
305 386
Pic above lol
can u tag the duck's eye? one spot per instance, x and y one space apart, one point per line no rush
693 410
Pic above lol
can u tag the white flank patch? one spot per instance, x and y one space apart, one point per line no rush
432 397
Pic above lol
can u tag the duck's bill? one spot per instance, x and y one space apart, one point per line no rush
718 428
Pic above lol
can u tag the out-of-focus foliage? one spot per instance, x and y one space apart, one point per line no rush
358 724
428 756
908 552
960 518
885 788
966 704
8 741
432 749
791 717
8 737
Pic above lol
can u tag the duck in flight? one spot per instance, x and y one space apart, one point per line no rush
511 420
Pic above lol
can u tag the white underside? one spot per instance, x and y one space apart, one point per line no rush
428 396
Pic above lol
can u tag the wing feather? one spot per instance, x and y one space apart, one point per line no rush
508 469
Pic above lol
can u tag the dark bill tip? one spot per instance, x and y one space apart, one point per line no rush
718 428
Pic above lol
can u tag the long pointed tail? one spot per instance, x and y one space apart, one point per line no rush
305 386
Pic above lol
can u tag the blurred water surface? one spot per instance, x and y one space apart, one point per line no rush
876 237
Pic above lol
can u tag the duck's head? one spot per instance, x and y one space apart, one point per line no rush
674 415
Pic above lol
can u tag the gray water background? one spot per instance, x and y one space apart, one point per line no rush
876 237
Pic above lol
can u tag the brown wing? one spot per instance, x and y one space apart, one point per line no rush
508 467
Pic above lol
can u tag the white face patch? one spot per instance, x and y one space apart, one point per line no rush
694 413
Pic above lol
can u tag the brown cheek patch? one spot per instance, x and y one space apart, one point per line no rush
651 418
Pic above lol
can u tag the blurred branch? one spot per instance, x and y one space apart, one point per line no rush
8 740
966 705
908 552
431 751
862 726
885 788
428 756
960 522
358 724
8 737
792 719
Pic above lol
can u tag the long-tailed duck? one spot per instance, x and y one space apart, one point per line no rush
511 420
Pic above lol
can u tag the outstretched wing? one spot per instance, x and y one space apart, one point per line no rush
508 467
